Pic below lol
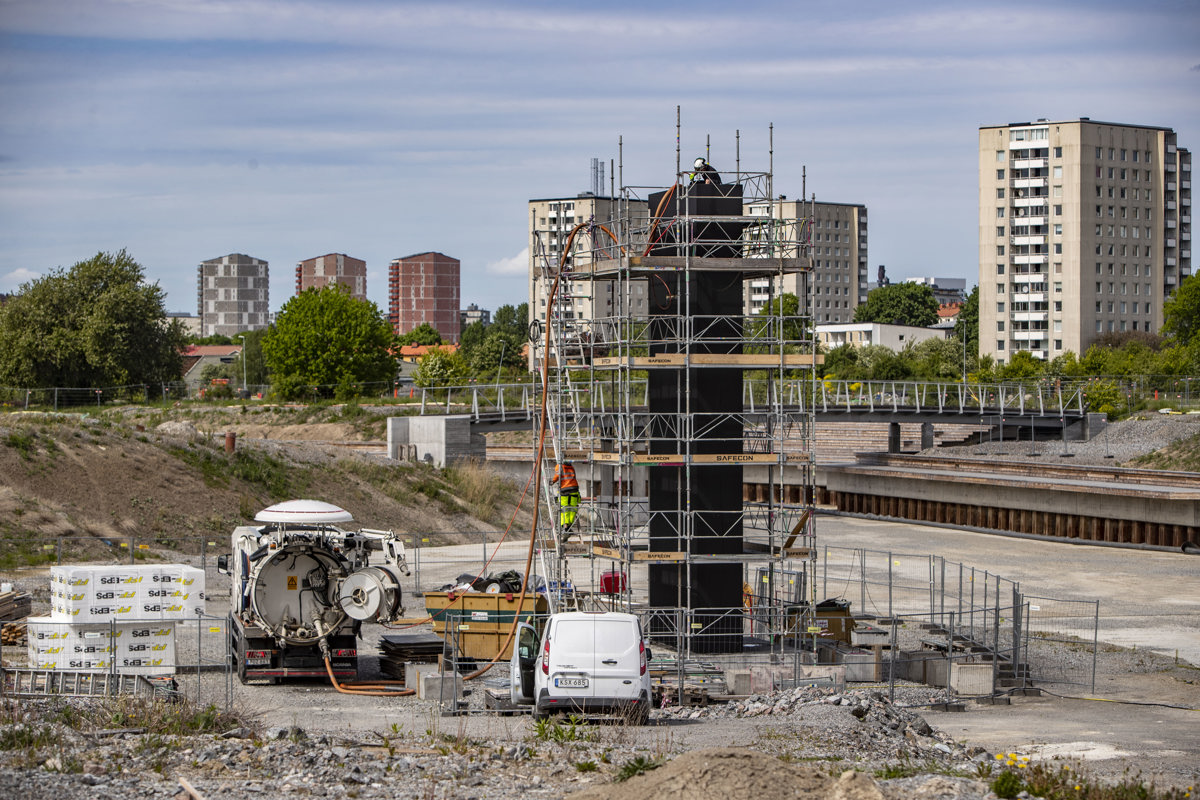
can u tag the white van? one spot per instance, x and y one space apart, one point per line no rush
586 663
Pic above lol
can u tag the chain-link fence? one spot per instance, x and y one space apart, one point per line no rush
160 658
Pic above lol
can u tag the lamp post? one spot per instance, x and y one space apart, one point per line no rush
242 336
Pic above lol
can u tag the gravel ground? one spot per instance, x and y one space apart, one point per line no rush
1123 441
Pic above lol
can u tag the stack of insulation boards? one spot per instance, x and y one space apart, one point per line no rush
167 592
115 618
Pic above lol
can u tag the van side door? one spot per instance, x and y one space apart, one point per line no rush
522 664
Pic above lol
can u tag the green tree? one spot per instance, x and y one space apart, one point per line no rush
899 304
967 326
440 367
787 306
325 338
1022 366
842 362
935 359
512 319
255 366
423 334
96 324
472 336
1181 313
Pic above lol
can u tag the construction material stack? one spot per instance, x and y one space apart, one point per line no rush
115 618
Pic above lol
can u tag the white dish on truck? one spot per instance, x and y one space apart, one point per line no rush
584 662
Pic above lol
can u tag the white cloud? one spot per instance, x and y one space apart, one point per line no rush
516 265
13 280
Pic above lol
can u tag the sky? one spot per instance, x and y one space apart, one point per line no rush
184 130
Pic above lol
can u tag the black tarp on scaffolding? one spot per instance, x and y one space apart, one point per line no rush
702 314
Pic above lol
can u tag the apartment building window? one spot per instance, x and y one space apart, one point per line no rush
999 308
1098 271
1058 211
1112 154
1058 152
1000 326
1122 326
1147 292
1099 306
1058 305
1058 229
1099 153
1058 191
1112 172
1000 156
1000 250
999 194
1110 306
1110 326
1135 156
999 213
1123 307
1058 287
1123 176
1099 287
1098 324
1058 248
999 288
1099 211
1122 153
1057 172
1000 344
1000 232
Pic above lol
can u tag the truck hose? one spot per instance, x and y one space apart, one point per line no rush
369 692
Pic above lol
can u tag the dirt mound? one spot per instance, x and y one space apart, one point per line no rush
736 772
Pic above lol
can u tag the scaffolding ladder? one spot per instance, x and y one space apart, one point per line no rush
30 683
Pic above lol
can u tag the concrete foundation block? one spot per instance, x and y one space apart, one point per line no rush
971 680
823 675
738 681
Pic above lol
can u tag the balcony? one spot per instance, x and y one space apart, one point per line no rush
1030 183
1170 166
1029 336
1170 186
1041 259
1028 239
1030 221
1030 316
1170 262
1030 163
1030 202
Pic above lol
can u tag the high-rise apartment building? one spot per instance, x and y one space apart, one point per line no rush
839 259
334 268
550 224
1084 230
425 288
232 295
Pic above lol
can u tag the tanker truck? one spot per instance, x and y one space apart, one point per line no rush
301 587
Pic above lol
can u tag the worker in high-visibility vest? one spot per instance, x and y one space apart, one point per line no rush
568 495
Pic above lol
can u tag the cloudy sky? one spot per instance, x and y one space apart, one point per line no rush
183 130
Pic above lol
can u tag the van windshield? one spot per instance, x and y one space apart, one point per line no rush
585 635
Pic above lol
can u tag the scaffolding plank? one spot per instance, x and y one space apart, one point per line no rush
756 359
663 557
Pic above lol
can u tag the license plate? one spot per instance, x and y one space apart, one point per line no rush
258 662
571 683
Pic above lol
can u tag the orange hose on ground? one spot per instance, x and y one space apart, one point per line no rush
369 693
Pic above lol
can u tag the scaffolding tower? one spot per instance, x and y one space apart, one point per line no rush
667 392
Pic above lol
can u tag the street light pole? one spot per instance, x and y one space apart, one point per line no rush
242 336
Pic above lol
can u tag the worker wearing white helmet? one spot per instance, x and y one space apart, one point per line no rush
705 173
